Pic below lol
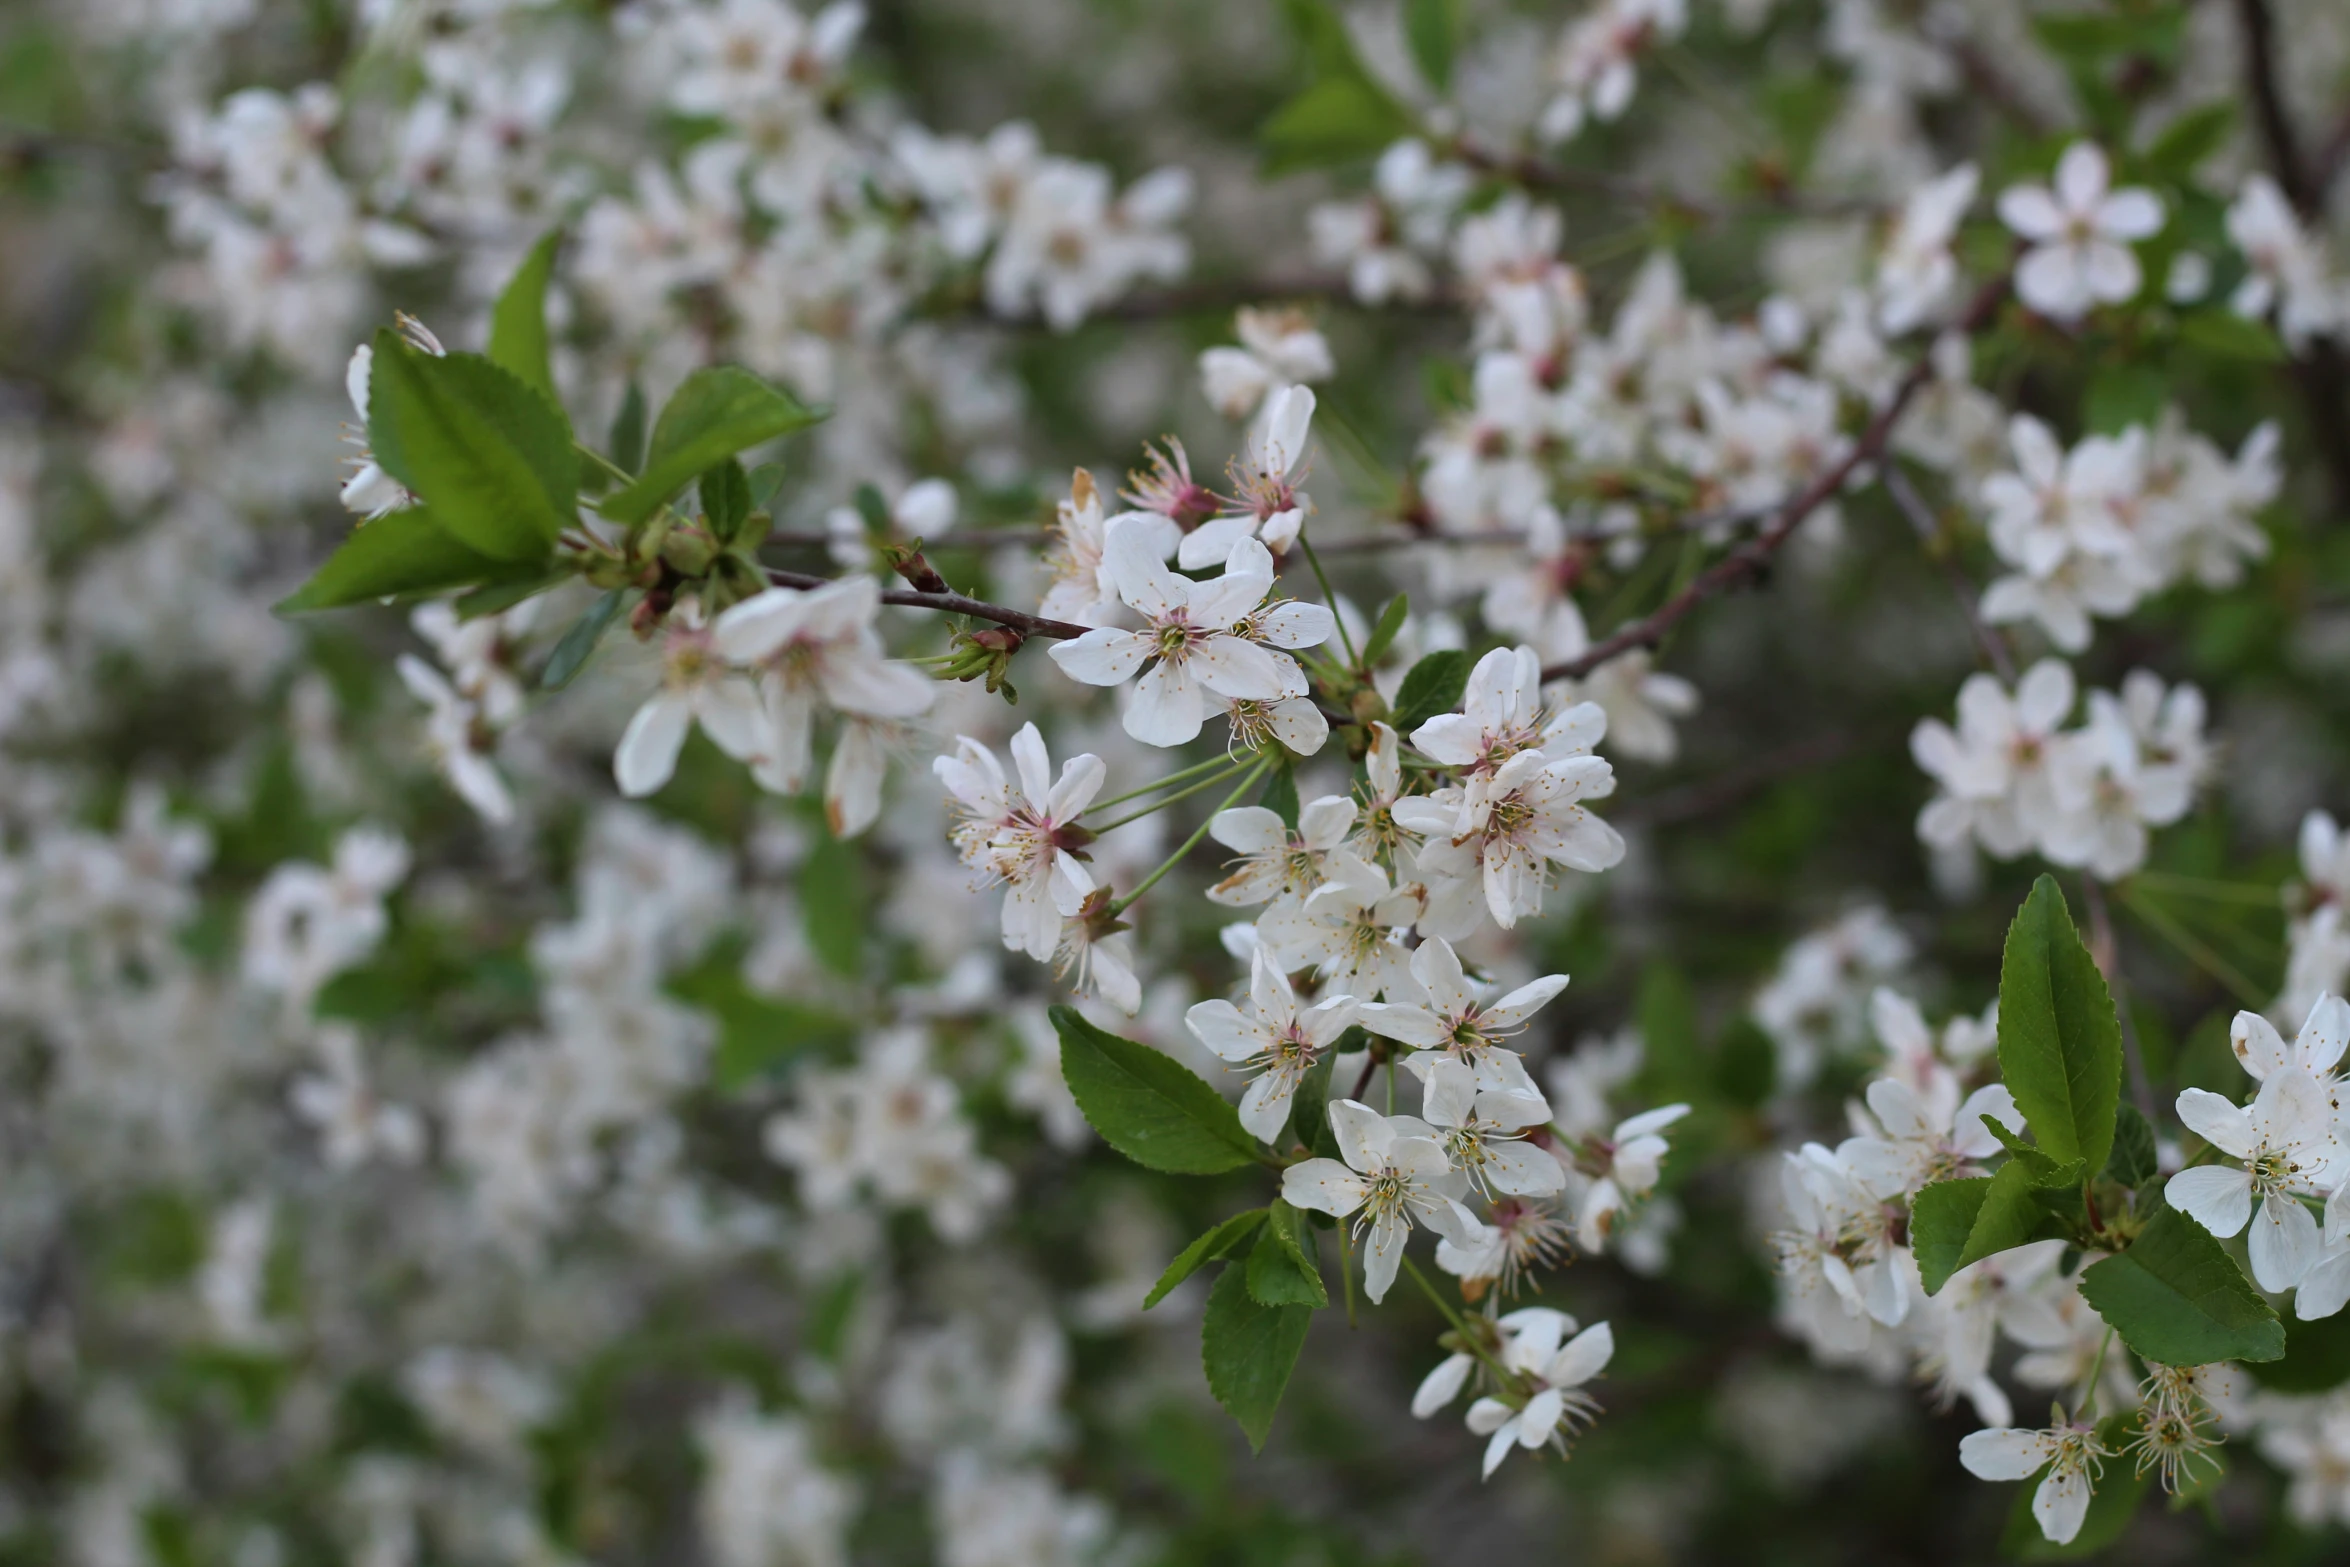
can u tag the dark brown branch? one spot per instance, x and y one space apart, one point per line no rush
948 603
1747 563
2321 371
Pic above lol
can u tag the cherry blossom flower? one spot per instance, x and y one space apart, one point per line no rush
1349 930
2080 231
1275 1037
1634 1153
1279 349
698 686
1276 862
1507 830
1454 1025
2283 1143
1267 504
812 647
1190 642
1556 1405
1023 832
1915 271
1394 1174
2070 1453
1483 1130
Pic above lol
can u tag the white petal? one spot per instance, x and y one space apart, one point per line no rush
2213 1195
2007 1454
2219 1122
2060 1504
2283 1243
1324 1185
1442 1385
647 753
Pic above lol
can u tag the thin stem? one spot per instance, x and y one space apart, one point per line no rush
1019 620
2088 1394
1192 842
603 462
2197 952
1345 639
1346 1268
1181 794
1470 1341
1184 776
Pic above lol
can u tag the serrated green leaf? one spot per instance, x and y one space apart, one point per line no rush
496 598
490 456
518 322
1222 1241
2134 1160
2177 1297
1434 685
2060 1043
1282 1267
1432 29
1149 1106
1248 1352
715 414
1941 1217
571 654
399 554
1383 634
726 500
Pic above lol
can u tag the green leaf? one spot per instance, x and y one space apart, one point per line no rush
1283 1269
833 900
766 479
2060 1044
1433 29
757 1032
2111 1508
1329 49
1248 1351
399 554
726 500
1222 1241
491 457
2177 1297
2191 138
1338 120
712 416
495 598
626 445
1746 1066
572 653
1434 685
1673 1066
518 322
1955 1223
1149 1106
2122 395
2231 336
2133 1161
1941 1217
1280 796
1383 634
2316 1358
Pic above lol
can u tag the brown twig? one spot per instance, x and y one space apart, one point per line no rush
948 603
1747 562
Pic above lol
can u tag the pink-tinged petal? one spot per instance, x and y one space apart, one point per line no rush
2219 1122
2009 1454
2214 1195
1168 708
1104 656
2283 1244
2257 1044
647 753
1324 1185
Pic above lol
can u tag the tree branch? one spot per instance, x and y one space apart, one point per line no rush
1748 562
948 603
